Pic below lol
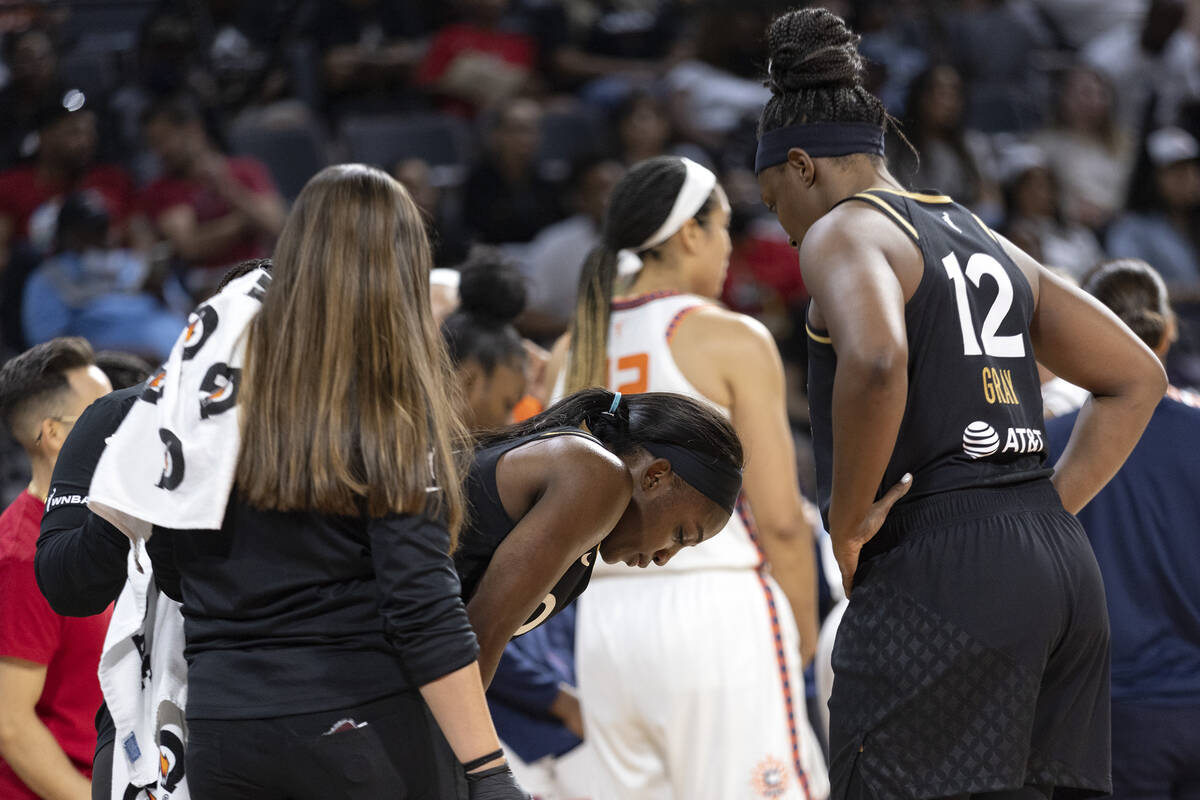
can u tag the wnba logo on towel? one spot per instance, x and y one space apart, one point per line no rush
201 325
220 387
980 440
154 387
172 474
770 778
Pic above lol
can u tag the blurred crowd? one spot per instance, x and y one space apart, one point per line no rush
149 144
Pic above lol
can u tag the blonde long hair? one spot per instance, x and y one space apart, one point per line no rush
346 403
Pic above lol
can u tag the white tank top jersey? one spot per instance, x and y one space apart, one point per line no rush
639 360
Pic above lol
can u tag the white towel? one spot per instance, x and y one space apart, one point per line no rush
189 413
144 678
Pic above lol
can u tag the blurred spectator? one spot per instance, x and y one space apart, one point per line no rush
446 235
1142 527
1164 208
1158 58
1090 153
169 62
1034 219
716 90
1078 22
556 254
214 210
91 290
950 156
887 43
245 49
123 369
369 51
505 198
763 279
477 62
32 65
994 44
30 194
601 49
49 691
643 128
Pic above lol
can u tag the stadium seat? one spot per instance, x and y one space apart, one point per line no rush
292 152
567 135
442 141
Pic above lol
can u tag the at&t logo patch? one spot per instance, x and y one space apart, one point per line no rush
980 440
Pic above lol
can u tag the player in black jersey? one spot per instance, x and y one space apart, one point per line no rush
632 479
973 657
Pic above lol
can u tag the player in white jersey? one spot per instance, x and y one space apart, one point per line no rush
690 675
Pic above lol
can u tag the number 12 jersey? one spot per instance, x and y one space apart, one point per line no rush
973 415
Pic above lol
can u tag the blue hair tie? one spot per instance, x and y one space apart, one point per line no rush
616 402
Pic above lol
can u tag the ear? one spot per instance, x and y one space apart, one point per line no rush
54 433
798 159
691 237
657 476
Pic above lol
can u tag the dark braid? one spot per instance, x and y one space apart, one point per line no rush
815 73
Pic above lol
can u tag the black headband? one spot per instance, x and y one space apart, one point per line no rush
819 140
714 478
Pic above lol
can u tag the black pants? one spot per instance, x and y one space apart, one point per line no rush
102 773
1156 752
389 748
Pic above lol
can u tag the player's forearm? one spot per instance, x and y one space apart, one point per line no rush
1105 433
869 396
791 553
458 705
31 750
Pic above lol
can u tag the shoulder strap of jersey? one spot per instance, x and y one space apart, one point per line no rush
891 206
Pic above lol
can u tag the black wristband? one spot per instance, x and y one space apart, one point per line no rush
476 763
475 777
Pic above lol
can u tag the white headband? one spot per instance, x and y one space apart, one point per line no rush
698 184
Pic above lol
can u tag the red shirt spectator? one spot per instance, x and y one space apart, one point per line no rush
24 191
212 209
477 65
68 647
170 192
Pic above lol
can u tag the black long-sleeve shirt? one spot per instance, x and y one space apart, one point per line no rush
81 560
297 612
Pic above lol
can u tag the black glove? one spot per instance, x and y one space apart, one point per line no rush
496 783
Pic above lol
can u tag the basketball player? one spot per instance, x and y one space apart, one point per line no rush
698 664
973 658
631 479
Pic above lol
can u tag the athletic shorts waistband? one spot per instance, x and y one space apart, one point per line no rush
945 508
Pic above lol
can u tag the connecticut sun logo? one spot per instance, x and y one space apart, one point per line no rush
770 778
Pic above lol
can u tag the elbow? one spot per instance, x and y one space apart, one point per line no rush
12 728
881 368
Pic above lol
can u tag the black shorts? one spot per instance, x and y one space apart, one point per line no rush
974 653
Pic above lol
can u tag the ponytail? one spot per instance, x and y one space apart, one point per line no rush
642 214
589 329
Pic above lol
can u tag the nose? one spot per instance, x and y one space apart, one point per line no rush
665 555
795 245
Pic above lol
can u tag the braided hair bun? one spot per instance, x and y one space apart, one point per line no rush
815 73
812 48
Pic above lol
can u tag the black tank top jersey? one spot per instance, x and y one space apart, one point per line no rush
489 523
974 410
